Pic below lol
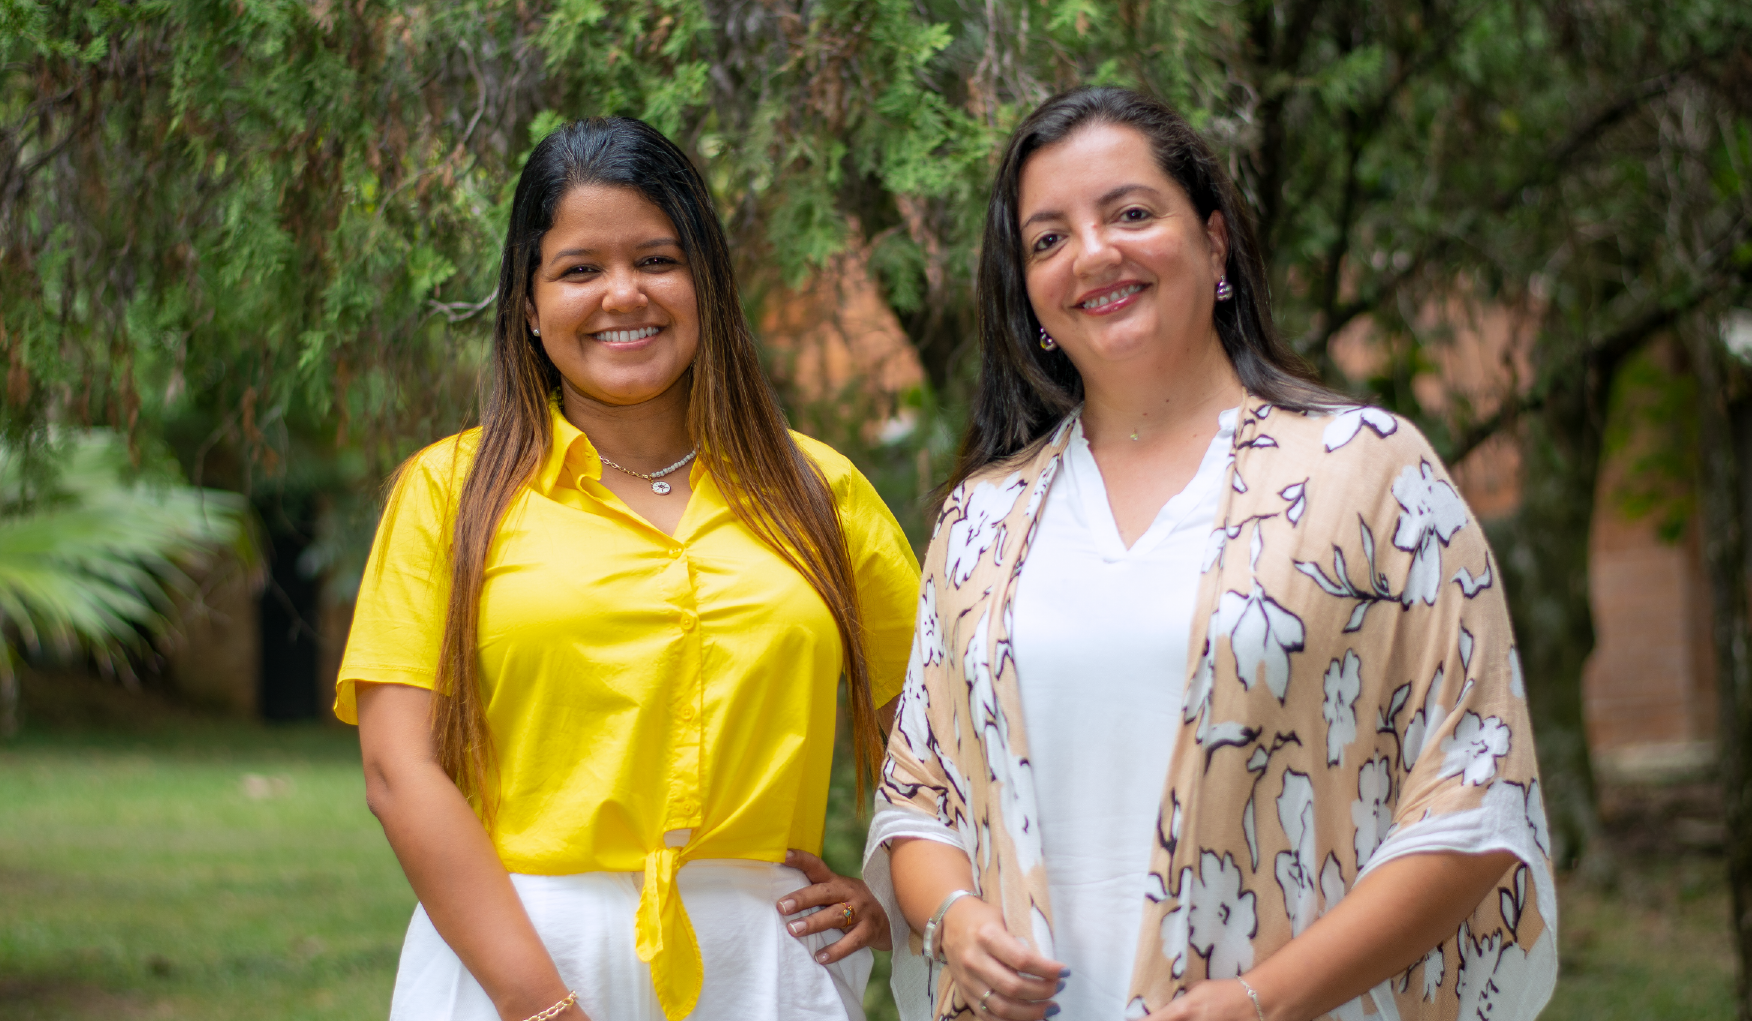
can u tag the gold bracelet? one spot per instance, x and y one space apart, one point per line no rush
556 1009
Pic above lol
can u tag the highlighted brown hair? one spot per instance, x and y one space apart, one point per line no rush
733 417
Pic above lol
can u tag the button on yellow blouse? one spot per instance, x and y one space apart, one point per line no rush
635 683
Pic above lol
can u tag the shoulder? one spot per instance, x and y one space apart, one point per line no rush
1369 447
435 474
851 490
835 467
1023 465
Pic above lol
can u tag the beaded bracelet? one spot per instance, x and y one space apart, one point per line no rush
556 1009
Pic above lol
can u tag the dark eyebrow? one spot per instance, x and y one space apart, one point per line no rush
653 243
1111 197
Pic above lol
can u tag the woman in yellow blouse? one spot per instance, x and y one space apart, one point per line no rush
597 648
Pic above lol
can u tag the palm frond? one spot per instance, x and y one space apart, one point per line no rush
96 563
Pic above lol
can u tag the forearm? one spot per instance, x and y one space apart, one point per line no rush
1390 920
456 873
924 872
448 858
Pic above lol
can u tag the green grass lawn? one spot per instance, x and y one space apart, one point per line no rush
212 873
222 871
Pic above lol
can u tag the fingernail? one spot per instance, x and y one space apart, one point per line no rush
1064 973
795 927
1054 1009
1061 987
787 907
822 957
790 855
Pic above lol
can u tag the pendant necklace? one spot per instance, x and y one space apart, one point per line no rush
658 486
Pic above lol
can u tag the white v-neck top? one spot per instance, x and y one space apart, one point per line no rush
1100 641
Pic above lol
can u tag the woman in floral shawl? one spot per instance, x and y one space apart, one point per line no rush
1214 709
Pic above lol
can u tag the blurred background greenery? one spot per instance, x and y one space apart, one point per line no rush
247 255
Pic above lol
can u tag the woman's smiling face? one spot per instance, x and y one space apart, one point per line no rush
613 297
1117 260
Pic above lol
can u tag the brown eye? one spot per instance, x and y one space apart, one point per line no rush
1135 215
1045 241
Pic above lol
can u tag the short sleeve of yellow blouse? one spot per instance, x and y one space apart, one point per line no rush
635 683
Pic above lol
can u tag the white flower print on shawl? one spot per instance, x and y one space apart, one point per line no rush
1215 918
1343 683
982 528
1372 812
1344 695
1474 747
1345 426
1433 512
1295 866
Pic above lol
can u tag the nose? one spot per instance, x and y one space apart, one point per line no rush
1095 254
624 292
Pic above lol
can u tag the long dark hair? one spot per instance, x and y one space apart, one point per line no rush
733 418
1024 391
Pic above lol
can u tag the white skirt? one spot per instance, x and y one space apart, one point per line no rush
753 967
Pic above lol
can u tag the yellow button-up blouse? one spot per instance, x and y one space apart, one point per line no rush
636 683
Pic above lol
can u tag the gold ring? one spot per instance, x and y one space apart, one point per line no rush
848 915
983 999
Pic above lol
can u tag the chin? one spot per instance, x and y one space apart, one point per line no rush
623 391
1120 345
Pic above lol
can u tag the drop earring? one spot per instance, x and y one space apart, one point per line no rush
1046 341
1224 290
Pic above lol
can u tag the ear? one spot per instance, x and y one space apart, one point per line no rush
1217 233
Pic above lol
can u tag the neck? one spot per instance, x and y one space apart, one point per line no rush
1178 388
645 436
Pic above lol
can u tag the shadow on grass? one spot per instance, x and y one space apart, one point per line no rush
63 997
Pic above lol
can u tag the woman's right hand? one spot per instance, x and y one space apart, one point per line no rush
999 975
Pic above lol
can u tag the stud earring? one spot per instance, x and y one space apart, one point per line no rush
535 331
1224 290
1046 342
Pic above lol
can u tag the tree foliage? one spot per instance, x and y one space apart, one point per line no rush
265 230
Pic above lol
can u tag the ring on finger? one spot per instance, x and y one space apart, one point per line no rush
983 999
848 915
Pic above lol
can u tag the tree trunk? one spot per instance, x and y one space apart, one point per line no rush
1726 449
1543 550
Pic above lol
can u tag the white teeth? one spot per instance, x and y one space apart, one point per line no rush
1113 296
626 336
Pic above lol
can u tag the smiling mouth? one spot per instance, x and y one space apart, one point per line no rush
1112 296
625 336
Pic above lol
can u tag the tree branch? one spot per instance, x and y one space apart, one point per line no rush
1602 358
1553 165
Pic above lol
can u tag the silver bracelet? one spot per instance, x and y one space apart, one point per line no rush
932 949
1251 995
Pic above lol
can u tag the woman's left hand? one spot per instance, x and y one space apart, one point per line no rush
831 892
1214 1000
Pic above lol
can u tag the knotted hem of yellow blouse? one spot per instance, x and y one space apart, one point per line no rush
666 939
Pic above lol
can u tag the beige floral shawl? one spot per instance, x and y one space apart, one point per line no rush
1352 680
